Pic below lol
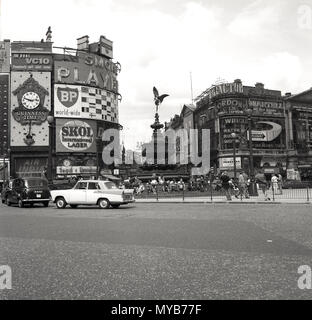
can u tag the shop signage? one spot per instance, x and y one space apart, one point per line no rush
31 47
266 135
228 163
75 136
75 170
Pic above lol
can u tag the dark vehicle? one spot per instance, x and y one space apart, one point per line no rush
28 191
7 187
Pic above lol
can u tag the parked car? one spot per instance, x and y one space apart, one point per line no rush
7 187
105 194
28 191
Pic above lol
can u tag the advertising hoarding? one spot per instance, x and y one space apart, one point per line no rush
267 133
31 62
31 47
30 106
85 102
5 56
90 70
75 136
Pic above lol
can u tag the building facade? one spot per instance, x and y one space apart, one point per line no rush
58 106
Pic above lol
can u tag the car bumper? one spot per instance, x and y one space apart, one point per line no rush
35 200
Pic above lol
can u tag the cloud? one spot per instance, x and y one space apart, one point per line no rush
255 20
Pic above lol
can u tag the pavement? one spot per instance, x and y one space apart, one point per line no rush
159 251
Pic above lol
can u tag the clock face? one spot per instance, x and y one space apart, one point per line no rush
30 100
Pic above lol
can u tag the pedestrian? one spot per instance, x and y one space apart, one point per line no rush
225 181
280 184
263 184
274 181
243 185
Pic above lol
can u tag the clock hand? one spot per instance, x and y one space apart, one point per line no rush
29 99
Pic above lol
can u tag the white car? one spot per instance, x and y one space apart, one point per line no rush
93 192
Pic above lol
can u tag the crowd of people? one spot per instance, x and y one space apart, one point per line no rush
223 183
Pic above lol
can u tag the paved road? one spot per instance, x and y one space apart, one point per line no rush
157 251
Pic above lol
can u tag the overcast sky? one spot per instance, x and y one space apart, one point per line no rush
160 42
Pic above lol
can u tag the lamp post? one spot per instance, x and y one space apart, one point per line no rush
234 136
50 119
253 186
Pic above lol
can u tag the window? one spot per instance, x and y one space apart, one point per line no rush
110 185
81 186
93 186
36 183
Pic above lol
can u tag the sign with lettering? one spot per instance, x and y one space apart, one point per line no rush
75 136
91 70
228 163
31 62
85 103
30 105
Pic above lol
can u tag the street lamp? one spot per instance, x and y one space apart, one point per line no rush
50 119
234 136
253 186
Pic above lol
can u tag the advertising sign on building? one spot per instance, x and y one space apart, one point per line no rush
30 107
31 47
31 62
5 56
85 102
228 163
78 136
91 70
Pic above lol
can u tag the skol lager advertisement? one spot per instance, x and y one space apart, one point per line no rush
75 136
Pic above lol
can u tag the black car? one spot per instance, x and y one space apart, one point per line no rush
28 191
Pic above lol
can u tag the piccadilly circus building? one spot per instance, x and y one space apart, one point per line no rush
280 126
55 107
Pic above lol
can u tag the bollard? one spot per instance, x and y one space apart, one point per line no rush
211 192
273 193
308 196
157 194
183 194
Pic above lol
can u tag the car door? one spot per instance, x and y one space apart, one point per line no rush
17 189
78 195
93 193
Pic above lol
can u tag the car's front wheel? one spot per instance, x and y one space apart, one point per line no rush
20 203
103 203
60 203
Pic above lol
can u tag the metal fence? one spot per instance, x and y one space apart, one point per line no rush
302 194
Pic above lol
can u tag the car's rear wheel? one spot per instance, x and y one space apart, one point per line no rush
60 203
115 206
103 203
20 203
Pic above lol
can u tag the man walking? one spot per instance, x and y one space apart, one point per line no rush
225 181
243 185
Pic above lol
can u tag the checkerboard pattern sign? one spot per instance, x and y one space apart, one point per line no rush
85 102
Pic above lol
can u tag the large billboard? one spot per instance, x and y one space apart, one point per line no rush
85 102
30 107
31 47
88 69
31 62
75 136
5 56
267 133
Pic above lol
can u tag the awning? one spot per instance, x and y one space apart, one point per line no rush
111 177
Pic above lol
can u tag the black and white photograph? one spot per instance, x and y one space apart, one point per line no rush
155 151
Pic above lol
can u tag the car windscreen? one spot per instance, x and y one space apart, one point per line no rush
36 183
110 185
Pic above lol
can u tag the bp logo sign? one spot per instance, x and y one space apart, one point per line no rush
67 96
77 136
